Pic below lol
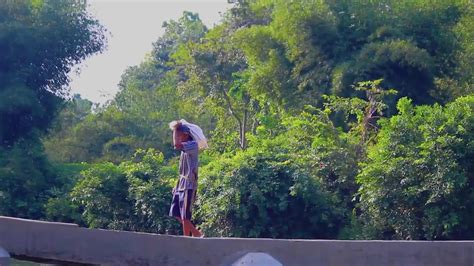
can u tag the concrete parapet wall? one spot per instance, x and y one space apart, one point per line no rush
67 242
4 257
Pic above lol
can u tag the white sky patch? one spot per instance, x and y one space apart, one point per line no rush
133 27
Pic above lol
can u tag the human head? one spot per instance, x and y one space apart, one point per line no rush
181 133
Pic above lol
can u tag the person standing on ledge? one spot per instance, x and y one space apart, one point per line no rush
188 138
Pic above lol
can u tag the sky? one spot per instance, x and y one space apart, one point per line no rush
133 25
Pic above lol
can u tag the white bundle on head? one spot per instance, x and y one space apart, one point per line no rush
195 131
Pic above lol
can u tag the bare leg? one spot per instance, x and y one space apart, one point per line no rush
197 232
186 228
194 232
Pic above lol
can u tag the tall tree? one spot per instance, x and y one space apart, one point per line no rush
40 42
148 100
216 67
328 46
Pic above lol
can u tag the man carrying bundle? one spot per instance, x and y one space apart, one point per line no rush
188 138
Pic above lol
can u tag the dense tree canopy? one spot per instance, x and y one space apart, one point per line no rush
326 119
40 41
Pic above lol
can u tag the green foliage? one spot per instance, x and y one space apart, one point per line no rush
134 195
215 68
401 64
297 183
417 183
330 45
296 98
365 112
40 41
60 207
139 114
26 180
103 193
291 54
263 193
73 112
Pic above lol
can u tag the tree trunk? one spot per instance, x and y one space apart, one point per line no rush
243 130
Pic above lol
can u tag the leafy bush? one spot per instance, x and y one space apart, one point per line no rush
286 186
417 182
134 195
26 180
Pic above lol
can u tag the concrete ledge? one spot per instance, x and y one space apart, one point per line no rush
4 257
63 242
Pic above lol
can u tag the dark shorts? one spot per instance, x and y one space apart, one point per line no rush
181 205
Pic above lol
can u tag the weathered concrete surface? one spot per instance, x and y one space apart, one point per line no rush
4 257
65 242
256 259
